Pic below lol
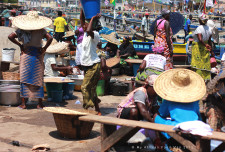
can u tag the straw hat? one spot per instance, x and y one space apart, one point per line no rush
112 62
57 47
31 21
180 85
111 38
60 110
69 33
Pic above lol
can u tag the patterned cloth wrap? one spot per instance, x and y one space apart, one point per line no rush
160 41
128 102
31 73
142 76
200 60
89 85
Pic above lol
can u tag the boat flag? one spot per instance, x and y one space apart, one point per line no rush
215 2
113 2
58 2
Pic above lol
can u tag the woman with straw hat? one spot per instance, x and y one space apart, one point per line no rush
181 90
71 40
202 48
30 31
112 45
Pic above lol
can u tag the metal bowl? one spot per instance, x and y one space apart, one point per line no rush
10 98
15 82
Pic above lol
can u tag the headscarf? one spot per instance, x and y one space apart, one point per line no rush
151 79
204 18
164 12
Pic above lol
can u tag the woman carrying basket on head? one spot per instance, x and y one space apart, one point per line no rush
30 32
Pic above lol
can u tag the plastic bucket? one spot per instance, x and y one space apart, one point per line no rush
57 96
100 89
68 90
135 68
8 54
7 22
53 87
90 8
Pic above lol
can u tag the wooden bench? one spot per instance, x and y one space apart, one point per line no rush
110 136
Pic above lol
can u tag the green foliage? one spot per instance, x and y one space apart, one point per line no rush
10 1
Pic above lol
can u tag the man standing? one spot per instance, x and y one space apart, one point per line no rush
187 27
145 25
91 63
60 25
124 22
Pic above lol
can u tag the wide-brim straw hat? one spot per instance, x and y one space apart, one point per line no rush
69 33
57 48
180 85
112 62
60 110
31 21
111 38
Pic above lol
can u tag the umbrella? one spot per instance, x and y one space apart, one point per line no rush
176 23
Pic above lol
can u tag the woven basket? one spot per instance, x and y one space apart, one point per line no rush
68 123
10 76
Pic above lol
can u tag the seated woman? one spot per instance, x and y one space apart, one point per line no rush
126 50
137 105
152 64
181 90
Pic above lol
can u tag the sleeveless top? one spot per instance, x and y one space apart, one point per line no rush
128 102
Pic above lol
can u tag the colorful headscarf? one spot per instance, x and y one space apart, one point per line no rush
151 79
204 18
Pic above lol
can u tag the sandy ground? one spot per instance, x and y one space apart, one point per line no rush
32 127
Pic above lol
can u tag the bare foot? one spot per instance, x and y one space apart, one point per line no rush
40 106
99 113
22 106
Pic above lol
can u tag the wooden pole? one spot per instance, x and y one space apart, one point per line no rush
204 11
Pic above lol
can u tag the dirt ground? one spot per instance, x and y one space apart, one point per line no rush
34 126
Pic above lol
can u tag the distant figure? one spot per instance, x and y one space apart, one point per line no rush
187 27
124 22
145 25
12 15
60 26
163 38
126 49
79 33
202 48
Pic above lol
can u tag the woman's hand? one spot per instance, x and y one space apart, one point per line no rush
209 48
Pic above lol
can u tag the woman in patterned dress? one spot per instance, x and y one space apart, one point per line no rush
163 38
30 32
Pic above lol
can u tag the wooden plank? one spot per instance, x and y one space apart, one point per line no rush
186 143
219 148
122 134
13 62
106 130
203 145
181 66
147 125
128 123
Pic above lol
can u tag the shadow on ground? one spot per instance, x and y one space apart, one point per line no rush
55 134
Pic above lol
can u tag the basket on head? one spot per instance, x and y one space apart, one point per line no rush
10 76
112 61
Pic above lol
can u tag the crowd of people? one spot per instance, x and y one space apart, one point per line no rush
169 96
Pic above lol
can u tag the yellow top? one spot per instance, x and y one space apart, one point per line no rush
60 23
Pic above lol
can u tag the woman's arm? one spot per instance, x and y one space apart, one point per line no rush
144 112
167 29
155 30
82 18
199 35
142 66
12 37
49 41
90 27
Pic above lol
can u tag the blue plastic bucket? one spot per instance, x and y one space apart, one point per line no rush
90 8
53 87
135 68
57 96
68 89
